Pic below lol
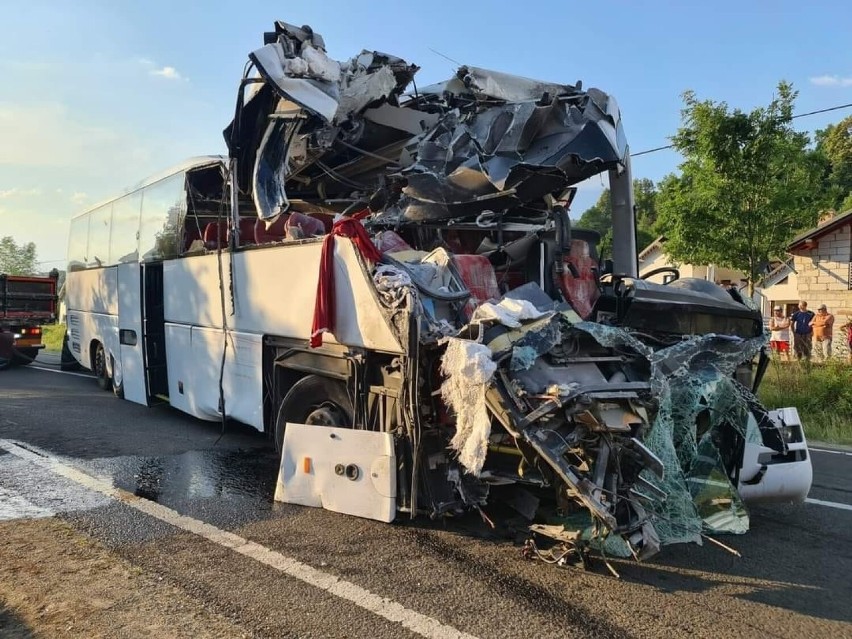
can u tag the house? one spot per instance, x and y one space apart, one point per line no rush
822 259
653 257
780 287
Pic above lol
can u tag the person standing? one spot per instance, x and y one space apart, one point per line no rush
823 327
802 331
779 327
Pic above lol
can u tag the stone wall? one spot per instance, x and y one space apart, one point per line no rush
823 271
823 278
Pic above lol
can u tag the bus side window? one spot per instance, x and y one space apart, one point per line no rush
78 240
124 242
99 237
163 212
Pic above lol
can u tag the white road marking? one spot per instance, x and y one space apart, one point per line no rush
828 504
833 452
51 370
383 607
13 506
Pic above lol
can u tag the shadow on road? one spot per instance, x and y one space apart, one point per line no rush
11 626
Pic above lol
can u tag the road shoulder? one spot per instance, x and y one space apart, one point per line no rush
55 581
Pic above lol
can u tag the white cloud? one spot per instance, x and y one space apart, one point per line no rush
16 192
170 73
79 197
831 81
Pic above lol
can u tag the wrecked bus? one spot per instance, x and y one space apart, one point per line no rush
386 280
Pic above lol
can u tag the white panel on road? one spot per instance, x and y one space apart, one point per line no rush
339 469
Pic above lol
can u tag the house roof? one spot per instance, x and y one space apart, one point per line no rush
818 231
658 243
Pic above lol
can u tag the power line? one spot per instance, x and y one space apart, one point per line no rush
798 115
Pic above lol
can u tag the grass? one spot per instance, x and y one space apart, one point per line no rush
51 336
821 392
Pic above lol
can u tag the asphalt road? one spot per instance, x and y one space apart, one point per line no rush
793 579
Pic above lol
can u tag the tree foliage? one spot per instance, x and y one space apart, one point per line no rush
747 184
834 150
598 217
17 259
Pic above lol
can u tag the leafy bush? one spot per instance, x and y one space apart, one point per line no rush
52 337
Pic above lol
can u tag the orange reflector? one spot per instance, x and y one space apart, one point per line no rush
306 465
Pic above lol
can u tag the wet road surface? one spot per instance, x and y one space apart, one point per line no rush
791 581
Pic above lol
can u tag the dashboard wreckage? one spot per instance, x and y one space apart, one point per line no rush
547 388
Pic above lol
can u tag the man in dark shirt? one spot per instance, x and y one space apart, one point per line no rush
802 331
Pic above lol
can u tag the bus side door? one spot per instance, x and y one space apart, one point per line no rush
130 332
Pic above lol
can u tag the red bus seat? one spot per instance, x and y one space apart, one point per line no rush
477 273
581 290
215 234
246 231
275 233
390 242
299 225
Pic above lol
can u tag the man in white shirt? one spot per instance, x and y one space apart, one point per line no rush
779 341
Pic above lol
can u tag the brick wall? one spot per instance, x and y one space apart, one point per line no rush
823 278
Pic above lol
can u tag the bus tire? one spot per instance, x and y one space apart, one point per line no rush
117 389
99 367
315 400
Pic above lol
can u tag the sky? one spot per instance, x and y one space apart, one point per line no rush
95 95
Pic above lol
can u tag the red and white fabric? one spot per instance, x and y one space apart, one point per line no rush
324 310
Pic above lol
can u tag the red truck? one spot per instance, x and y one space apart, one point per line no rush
26 304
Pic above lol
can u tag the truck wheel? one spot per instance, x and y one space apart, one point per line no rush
99 368
24 356
315 400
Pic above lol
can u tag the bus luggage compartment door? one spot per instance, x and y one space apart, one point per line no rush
130 370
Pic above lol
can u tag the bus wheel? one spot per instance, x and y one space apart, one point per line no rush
314 400
99 368
117 389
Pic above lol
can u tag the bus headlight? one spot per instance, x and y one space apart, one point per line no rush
790 433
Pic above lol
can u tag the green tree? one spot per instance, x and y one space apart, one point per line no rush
598 217
17 259
834 148
747 184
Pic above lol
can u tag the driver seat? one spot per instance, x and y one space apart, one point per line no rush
579 283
